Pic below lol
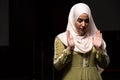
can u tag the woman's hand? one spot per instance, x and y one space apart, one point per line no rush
97 40
70 40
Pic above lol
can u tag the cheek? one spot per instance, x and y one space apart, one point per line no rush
77 25
87 28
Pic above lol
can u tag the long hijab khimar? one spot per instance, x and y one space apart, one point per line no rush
83 44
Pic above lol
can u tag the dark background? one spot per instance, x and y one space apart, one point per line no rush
30 27
4 22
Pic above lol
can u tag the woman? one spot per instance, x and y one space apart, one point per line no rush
80 51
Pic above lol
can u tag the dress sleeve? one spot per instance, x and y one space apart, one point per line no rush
102 58
62 55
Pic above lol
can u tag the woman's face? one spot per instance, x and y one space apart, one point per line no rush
82 24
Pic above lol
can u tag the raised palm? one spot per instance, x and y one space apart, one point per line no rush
97 40
70 40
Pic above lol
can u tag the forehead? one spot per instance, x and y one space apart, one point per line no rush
83 16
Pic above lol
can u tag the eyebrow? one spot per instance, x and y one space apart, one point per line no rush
83 19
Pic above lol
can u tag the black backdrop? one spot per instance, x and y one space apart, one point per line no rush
33 26
4 22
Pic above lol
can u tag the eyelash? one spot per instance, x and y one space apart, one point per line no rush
80 20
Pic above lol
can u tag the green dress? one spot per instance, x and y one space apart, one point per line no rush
78 66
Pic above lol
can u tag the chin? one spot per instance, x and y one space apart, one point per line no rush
82 33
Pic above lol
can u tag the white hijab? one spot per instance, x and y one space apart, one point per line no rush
83 44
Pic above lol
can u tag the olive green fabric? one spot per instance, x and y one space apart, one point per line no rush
78 66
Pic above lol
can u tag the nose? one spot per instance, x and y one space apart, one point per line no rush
83 23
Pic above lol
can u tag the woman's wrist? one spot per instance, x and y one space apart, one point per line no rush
98 47
70 48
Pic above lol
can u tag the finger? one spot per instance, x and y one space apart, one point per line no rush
92 39
97 32
68 33
101 35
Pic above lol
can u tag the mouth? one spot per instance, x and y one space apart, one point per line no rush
82 31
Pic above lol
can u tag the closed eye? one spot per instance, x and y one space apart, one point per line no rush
81 20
